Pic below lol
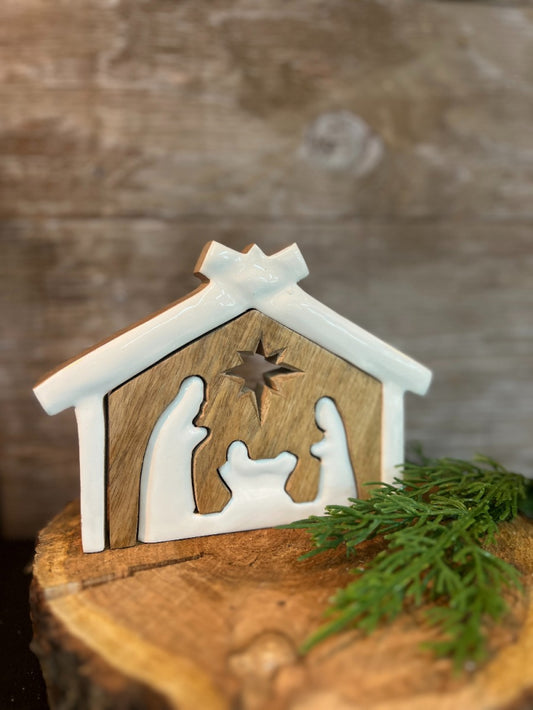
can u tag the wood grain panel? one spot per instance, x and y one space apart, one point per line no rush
396 108
287 425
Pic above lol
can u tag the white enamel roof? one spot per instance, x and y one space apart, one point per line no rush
237 282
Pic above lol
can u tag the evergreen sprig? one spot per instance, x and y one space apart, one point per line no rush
436 522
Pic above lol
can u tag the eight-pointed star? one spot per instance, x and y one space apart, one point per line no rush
260 373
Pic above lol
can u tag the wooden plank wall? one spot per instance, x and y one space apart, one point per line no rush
392 139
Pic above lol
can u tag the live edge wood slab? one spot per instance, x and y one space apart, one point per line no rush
215 622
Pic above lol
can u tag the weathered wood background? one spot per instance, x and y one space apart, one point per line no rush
392 139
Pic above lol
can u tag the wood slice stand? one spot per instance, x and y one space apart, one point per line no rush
215 623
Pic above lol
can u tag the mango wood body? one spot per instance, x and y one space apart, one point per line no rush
287 421
215 623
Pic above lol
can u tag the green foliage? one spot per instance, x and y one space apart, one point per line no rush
436 522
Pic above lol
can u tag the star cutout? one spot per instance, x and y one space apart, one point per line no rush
260 374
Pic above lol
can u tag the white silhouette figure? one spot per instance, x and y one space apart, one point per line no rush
259 498
166 480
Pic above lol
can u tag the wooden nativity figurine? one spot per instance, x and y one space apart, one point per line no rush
246 404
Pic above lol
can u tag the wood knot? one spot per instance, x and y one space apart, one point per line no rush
340 141
263 656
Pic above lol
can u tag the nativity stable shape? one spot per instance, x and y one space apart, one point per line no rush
246 404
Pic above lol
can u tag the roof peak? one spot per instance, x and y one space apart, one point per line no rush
251 271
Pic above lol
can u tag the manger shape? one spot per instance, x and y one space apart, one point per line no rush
169 420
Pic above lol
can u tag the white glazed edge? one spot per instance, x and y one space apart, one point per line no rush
90 417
